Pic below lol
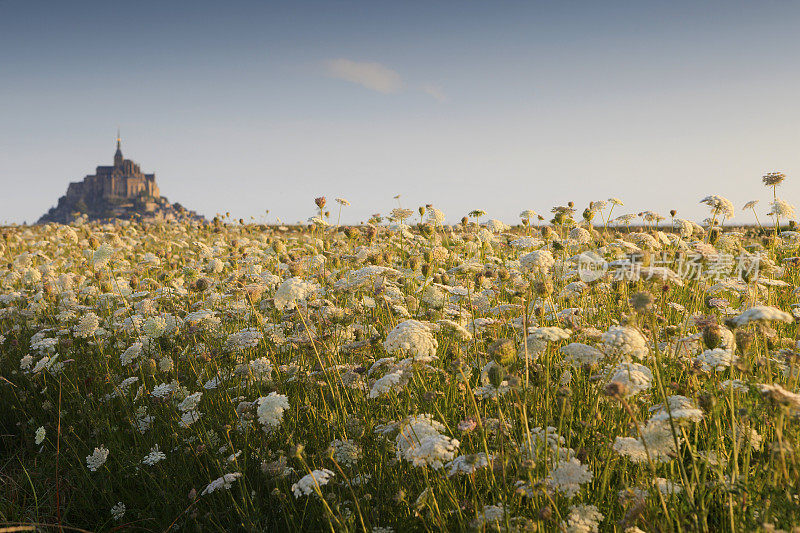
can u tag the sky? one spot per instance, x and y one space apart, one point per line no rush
256 108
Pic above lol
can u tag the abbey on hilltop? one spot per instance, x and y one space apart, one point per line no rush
121 190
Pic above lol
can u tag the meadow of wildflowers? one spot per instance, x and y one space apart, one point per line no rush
583 373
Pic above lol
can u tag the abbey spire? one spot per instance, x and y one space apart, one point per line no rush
118 159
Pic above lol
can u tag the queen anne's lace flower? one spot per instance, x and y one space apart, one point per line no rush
657 440
432 451
717 359
163 390
762 313
224 482
536 342
133 351
102 256
420 442
497 226
154 456
154 327
412 337
582 519
118 511
270 409
632 376
388 383
580 235
781 396
468 464
346 452
681 408
246 338
719 205
537 261
97 459
577 354
190 402
311 483
781 208
568 476
87 325
624 342
292 291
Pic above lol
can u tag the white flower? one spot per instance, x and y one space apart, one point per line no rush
496 226
388 383
685 227
568 476
660 443
261 368
165 364
491 518
291 291
420 442
781 208
624 342
312 482
680 407
717 359
432 451
435 216
163 390
468 464
667 487
97 459
550 333
580 235
460 332
246 338
102 256
781 395
270 409
346 452
154 456
413 337
582 519
154 327
43 363
719 205
578 354
762 313
118 511
26 362
224 482
40 434
537 261
87 325
188 418
134 351
190 402
633 376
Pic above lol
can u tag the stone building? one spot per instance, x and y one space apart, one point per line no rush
122 180
120 190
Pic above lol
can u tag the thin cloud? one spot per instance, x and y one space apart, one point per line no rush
435 91
371 75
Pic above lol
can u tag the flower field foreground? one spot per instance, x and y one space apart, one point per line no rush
388 377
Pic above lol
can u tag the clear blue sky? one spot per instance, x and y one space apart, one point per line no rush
503 106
